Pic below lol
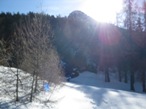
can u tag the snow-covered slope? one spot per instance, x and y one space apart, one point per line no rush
92 79
8 89
84 93
88 91
75 96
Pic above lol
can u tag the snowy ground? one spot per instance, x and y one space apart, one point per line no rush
88 91
7 91
88 97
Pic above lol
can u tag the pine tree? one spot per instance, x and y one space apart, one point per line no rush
139 27
144 7
130 25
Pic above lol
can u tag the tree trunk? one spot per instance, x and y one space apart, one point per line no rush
107 78
120 76
36 83
31 94
132 81
125 77
17 86
143 81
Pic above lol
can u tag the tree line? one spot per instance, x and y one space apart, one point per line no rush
83 43
27 44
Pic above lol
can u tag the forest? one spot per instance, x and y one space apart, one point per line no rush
30 41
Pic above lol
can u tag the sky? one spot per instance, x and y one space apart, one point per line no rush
94 8
52 7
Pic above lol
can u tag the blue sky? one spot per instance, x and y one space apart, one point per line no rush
100 10
52 7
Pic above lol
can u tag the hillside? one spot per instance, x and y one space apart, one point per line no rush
87 91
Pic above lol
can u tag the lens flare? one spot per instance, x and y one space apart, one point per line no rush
102 10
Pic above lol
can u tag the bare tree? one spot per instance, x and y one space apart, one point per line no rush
16 48
4 54
40 57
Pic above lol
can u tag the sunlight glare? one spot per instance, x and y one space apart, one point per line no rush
102 10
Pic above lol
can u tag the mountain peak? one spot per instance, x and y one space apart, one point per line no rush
77 15
77 12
